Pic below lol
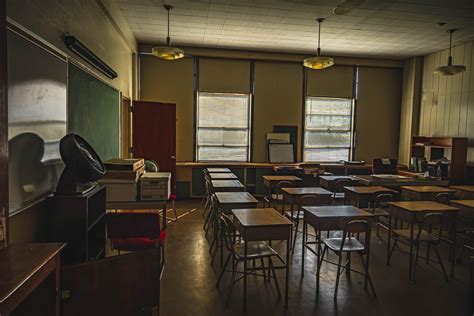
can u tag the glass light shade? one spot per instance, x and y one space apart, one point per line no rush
167 52
450 70
318 62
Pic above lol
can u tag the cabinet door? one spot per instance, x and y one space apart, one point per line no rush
120 285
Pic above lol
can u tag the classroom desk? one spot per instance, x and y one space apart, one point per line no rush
326 218
217 170
423 192
329 182
23 267
364 196
466 208
222 176
394 182
293 195
412 212
227 185
263 224
465 191
271 182
231 200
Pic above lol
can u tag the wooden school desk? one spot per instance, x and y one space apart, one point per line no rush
293 195
329 182
364 196
326 218
423 192
412 212
227 185
217 170
23 268
398 182
231 200
263 224
465 191
222 176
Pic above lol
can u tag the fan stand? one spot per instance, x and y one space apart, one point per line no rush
68 184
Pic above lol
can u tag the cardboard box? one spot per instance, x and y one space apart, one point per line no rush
155 186
118 190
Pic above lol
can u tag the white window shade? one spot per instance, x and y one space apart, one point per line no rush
328 129
223 127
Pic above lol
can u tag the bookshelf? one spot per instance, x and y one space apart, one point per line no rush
453 148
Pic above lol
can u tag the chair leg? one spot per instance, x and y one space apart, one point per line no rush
318 269
174 210
368 279
232 282
262 263
295 235
441 263
338 275
274 277
223 269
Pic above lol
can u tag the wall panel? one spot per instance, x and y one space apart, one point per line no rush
224 75
451 112
336 81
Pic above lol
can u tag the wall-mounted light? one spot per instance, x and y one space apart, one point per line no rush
85 53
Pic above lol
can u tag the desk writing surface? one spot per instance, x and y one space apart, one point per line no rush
369 189
427 189
423 206
222 175
235 197
371 180
263 217
466 188
216 170
18 263
281 178
306 190
336 211
465 203
227 184
334 178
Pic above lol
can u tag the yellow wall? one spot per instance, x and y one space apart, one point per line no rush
278 93
172 82
447 107
277 101
378 113
111 41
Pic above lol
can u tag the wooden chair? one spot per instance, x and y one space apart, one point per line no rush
339 194
379 210
429 223
276 198
349 244
296 216
256 251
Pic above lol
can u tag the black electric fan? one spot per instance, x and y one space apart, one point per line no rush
83 166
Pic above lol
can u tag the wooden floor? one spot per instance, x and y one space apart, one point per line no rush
188 285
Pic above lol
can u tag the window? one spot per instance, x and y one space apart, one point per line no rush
223 132
328 129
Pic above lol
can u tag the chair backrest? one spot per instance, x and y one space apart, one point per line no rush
357 227
151 166
381 200
227 230
339 185
133 225
308 200
432 221
378 166
443 197
284 184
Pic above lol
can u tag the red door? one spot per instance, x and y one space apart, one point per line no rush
154 135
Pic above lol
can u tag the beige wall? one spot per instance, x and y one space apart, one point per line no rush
107 37
447 107
277 101
378 113
410 107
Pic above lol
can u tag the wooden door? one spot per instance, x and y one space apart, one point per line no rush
154 135
119 285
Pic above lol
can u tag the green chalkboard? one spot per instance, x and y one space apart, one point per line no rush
94 112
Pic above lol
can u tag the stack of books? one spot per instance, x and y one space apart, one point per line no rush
121 178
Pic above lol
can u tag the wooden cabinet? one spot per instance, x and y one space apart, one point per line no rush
453 148
80 222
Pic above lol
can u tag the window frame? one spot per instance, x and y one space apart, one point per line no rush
249 128
351 146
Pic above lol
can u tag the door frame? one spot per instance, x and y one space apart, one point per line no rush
3 126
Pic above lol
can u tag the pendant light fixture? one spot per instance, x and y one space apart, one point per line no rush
318 62
450 69
167 52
